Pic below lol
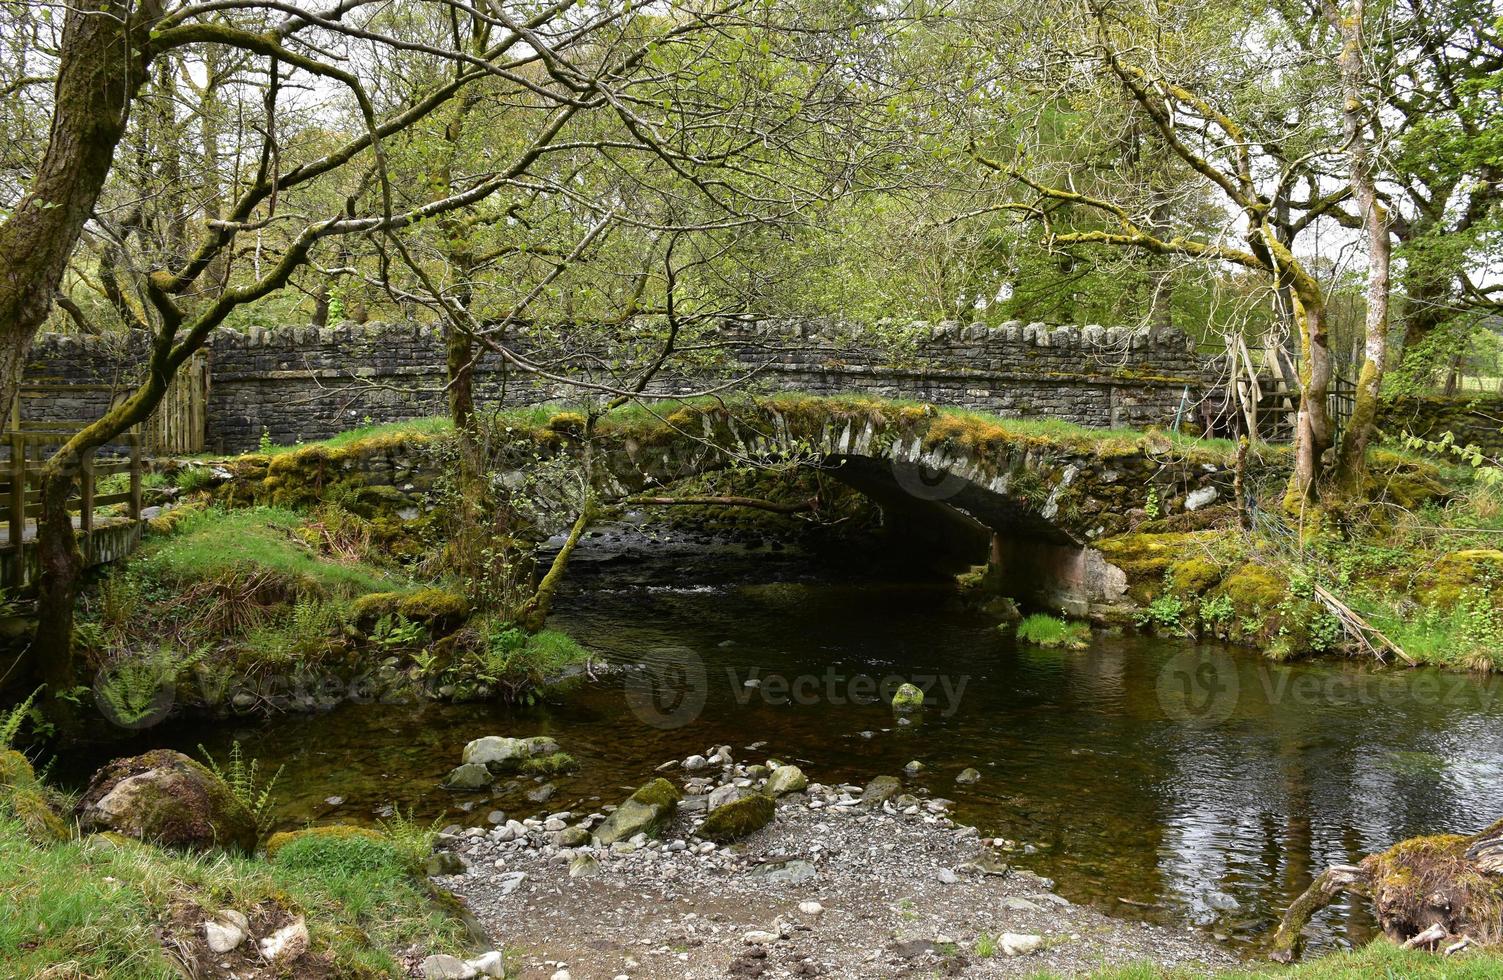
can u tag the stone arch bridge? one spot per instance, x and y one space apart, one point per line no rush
1027 497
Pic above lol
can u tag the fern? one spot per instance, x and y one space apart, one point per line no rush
413 839
12 720
243 778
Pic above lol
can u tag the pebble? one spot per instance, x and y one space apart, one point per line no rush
810 908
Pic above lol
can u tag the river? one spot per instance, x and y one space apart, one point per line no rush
1150 777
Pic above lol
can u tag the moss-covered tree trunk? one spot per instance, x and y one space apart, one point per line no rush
102 64
1351 464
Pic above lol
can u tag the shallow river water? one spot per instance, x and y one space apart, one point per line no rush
1149 777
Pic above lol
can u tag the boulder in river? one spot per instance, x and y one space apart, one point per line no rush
503 755
647 811
737 819
470 775
881 789
907 698
166 798
786 779
968 776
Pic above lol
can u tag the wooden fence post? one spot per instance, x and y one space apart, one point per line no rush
18 508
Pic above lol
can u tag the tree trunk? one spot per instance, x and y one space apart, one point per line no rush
1312 432
102 66
1351 467
60 564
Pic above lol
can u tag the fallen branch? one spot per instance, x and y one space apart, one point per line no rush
1322 892
1356 626
799 507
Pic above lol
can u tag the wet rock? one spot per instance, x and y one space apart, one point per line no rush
695 763
737 819
907 698
811 908
469 776
914 766
968 777
786 779
881 789
166 798
542 794
647 811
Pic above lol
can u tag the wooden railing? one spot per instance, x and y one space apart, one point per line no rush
31 444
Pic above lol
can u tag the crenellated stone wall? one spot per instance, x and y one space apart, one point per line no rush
309 383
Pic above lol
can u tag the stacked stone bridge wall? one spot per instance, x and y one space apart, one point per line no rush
309 383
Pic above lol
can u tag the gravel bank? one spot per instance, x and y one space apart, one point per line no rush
834 886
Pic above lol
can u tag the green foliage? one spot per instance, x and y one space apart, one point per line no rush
243 777
12 719
986 946
393 631
1216 614
342 856
133 685
96 908
412 840
191 479
1165 613
1043 630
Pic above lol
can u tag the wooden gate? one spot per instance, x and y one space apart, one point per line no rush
178 424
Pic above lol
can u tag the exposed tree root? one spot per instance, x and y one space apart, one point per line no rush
1442 892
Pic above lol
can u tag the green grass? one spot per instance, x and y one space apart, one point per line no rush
87 908
1380 959
430 426
1051 631
215 543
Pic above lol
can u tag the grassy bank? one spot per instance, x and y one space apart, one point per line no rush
1378 959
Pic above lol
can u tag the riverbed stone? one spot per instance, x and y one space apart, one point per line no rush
907 698
794 872
881 789
721 795
648 811
737 819
166 798
469 776
442 966
786 779
968 777
1019 944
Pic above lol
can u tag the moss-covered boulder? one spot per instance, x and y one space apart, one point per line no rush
276 842
1445 582
1145 558
907 698
440 610
647 811
166 798
38 820
784 780
537 755
552 764
468 776
738 818
881 789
